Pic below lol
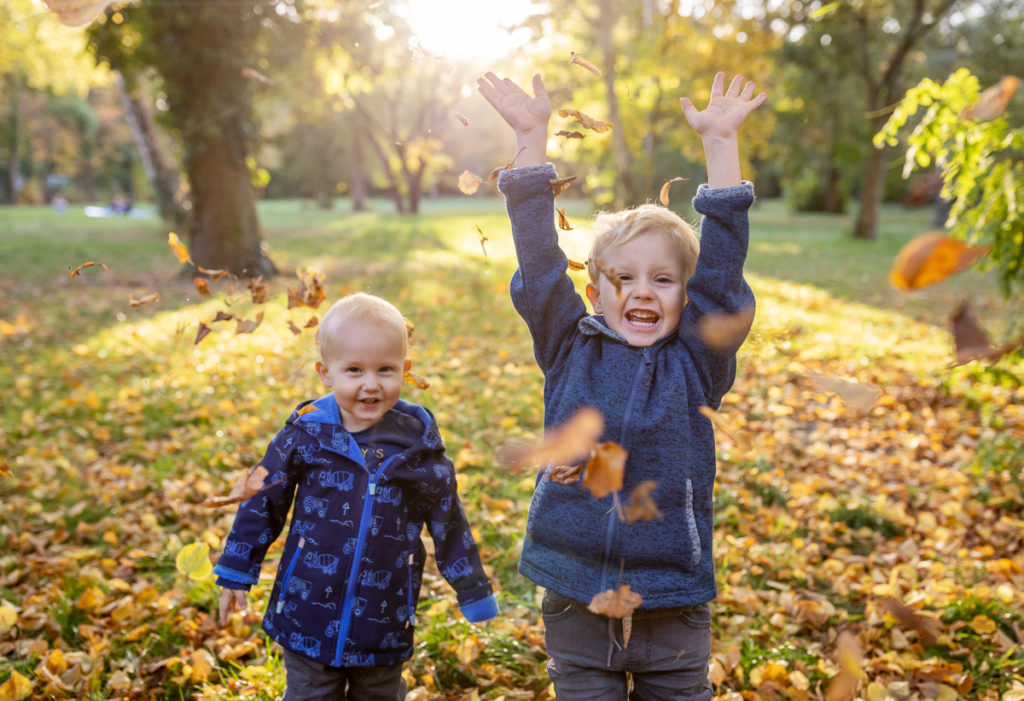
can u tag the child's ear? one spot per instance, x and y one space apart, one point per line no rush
321 370
595 297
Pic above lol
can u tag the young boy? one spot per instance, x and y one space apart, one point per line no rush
643 363
365 471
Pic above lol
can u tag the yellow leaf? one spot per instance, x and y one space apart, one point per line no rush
469 182
193 561
468 650
179 248
203 664
982 624
8 619
663 196
16 688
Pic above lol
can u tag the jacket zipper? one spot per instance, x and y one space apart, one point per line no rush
612 516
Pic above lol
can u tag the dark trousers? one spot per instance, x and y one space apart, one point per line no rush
309 680
666 658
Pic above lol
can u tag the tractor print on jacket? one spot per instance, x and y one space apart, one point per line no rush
349 577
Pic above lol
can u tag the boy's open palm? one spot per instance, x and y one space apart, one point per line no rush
726 110
525 114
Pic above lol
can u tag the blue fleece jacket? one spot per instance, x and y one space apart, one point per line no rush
349 577
650 398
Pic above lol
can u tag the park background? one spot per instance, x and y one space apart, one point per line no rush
865 549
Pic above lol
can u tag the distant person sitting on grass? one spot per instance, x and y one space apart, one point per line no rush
642 361
365 471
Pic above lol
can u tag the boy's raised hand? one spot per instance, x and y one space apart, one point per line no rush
528 116
726 110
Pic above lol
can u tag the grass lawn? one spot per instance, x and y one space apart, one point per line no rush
901 523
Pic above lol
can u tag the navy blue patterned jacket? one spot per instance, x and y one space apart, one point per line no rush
650 398
349 576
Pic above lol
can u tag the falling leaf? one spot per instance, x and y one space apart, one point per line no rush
573 265
854 394
193 561
76 271
179 248
616 604
483 239
605 469
843 686
928 629
993 100
725 331
641 506
245 326
663 197
223 316
560 185
214 274
5 471
587 122
580 61
416 380
610 274
494 173
77 13
202 286
566 444
563 221
293 328
255 76
469 182
931 258
312 322
740 438
627 629
310 291
565 474
258 289
15 688
464 120
143 300
971 341
570 134
251 482
309 408
201 333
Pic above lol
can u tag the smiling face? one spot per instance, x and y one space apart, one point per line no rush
364 367
652 288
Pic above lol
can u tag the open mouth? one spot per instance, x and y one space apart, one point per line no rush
642 319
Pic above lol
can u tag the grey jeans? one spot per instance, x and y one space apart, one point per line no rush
309 680
666 658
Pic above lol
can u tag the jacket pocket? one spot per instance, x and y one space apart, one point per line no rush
291 585
672 541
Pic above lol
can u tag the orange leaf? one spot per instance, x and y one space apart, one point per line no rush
928 629
971 341
179 248
570 134
580 61
245 326
854 395
560 185
313 321
216 273
469 182
564 445
309 293
843 686
993 100
722 331
74 273
416 380
563 221
202 286
610 274
464 120
307 409
605 469
573 265
246 486
143 300
585 121
740 438
616 604
931 258
202 333
663 197
641 507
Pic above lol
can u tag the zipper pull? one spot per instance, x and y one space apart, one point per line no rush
280 604
373 488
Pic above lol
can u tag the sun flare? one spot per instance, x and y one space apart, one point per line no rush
469 28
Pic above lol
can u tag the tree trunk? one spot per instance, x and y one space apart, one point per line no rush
13 155
357 174
620 151
832 199
163 179
873 186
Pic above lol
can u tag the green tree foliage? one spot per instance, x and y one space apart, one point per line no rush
982 163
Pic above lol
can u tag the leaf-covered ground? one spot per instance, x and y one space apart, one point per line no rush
883 549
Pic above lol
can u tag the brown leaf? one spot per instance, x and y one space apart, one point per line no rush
563 221
202 286
246 486
605 469
143 300
309 293
223 316
483 239
663 197
573 265
255 76
610 274
180 252
312 323
616 604
928 629
740 438
585 121
570 134
202 333
565 444
469 182
993 100
854 394
414 379
560 185
494 173
565 474
246 326
641 506
580 61
89 264
721 331
259 290
843 686
931 258
464 120
971 341
293 328
215 274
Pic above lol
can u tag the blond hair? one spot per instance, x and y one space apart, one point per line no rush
616 228
360 307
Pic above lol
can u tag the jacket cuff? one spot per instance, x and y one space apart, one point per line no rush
480 610
524 182
233 579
